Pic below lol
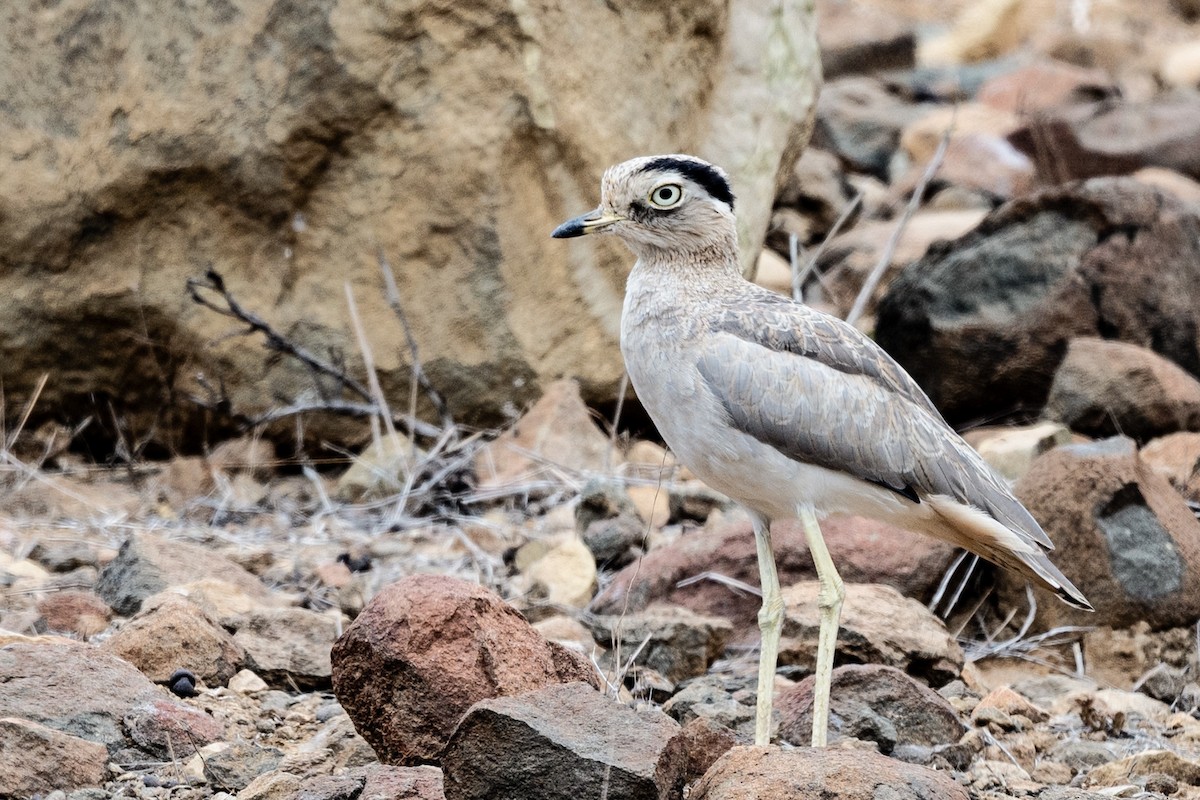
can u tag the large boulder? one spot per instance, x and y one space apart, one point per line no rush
982 322
292 145
427 648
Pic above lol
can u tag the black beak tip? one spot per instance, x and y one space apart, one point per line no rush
568 230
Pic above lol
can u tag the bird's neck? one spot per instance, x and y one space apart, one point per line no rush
711 266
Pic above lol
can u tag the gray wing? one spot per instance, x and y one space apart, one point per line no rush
820 392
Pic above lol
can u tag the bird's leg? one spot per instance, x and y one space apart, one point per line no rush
829 603
770 623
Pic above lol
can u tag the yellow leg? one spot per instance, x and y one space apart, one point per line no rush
829 603
770 623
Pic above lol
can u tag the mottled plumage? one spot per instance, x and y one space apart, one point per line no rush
789 411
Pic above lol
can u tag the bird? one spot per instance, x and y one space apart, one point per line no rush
790 412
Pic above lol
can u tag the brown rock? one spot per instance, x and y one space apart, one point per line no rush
177 634
816 187
147 564
1044 86
558 429
1116 138
563 742
1121 534
1011 450
1004 699
704 741
873 703
427 648
289 647
1103 388
769 773
1176 457
983 322
865 551
304 148
1171 182
246 454
878 626
860 38
83 691
672 640
80 612
1149 762
36 760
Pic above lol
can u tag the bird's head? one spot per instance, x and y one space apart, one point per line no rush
668 203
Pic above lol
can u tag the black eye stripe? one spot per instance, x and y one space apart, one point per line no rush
697 172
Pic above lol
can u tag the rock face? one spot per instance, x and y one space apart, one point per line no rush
873 703
288 645
1103 388
674 641
560 743
424 650
769 773
36 760
290 145
1122 534
983 322
865 551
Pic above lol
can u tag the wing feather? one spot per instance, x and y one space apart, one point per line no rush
820 392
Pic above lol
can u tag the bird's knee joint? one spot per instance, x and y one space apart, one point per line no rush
771 614
831 595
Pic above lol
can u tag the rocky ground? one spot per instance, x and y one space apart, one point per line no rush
467 614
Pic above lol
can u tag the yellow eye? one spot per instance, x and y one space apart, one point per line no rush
667 196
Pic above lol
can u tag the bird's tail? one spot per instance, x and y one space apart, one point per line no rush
980 533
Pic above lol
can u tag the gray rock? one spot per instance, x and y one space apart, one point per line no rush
982 322
147 564
289 647
233 768
563 742
672 640
873 703
706 698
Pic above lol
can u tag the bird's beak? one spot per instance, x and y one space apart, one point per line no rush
591 222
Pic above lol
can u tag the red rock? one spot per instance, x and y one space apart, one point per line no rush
877 626
177 634
563 742
1044 86
171 730
983 322
1122 534
1103 388
874 703
80 612
77 689
769 773
427 648
865 551
36 760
